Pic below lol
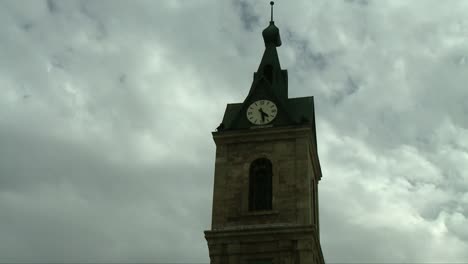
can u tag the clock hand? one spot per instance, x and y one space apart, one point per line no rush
263 114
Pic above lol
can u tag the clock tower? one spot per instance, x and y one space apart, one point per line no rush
265 197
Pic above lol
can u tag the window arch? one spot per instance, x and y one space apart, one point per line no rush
260 185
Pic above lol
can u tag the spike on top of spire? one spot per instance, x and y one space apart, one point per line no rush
271 34
272 3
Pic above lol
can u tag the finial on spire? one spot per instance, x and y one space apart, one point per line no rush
271 33
272 3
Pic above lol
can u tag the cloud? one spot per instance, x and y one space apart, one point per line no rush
377 200
107 108
247 14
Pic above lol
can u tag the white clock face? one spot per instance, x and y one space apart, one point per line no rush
261 112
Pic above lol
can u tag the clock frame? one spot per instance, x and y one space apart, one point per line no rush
261 112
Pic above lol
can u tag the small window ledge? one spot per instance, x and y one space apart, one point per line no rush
255 213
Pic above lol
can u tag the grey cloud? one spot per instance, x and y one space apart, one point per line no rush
52 6
305 56
359 2
349 88
109 156
95 192
248 17
101 30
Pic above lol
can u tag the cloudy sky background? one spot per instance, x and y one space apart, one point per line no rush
106 110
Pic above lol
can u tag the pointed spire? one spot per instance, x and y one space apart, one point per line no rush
271 34
269 71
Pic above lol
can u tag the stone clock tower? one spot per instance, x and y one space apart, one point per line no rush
265 198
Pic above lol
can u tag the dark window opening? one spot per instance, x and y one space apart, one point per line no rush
268 72
260 185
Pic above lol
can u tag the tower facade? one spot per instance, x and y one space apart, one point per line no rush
265 198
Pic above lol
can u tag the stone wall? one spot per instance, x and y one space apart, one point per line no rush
293 177
275 244
287 234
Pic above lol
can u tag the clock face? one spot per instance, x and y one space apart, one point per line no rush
261 112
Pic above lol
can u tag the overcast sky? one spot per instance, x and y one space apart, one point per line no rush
107 109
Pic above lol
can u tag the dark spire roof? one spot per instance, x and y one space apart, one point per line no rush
270 68
271 34
270 82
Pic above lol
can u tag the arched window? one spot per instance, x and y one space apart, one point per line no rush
268 72
260 185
